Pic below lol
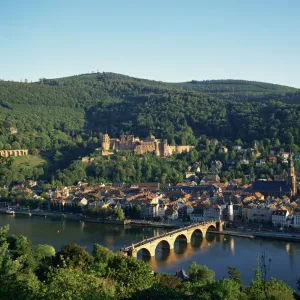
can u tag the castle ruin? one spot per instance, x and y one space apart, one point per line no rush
159 147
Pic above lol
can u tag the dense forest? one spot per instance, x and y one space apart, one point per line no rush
63 119
39 272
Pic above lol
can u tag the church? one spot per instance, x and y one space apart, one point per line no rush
287 187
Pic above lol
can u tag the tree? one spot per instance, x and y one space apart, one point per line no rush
74 256
66 283
226 289
42 251
158 291
278 290
200 273
235 275
119 213
134 275
170 281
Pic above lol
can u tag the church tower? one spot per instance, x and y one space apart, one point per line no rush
291 176
230 210
105 142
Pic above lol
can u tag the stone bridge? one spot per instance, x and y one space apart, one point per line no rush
167 240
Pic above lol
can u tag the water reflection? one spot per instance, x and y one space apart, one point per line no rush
291 250
164 256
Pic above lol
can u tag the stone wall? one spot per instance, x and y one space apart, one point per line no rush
8 153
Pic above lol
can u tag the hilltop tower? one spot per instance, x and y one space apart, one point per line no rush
105 142
291 176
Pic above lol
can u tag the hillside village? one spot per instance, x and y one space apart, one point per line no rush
203 194
208 199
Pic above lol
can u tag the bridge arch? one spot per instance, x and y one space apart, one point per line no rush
198 232
163 244
143 252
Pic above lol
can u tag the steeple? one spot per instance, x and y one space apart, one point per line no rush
291 176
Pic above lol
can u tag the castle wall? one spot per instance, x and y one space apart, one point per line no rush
179 149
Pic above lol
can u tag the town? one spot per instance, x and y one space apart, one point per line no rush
268 202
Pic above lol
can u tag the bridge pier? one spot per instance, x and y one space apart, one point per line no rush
220 226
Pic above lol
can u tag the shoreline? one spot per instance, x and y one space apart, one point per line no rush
287 237
252 234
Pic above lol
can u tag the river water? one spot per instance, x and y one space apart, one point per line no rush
215 251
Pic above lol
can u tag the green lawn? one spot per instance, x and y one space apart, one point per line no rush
29 161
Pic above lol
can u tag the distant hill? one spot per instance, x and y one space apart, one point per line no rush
55 113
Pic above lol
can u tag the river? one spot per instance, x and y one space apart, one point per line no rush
215 251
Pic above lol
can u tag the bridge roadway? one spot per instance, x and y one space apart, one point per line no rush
167 240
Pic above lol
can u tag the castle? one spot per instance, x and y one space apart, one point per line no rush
159 147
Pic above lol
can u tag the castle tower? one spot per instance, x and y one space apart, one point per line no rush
291 176
105 142
230 211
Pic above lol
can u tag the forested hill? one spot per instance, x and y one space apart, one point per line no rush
53 113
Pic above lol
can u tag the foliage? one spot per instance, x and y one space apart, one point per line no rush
202 274
73 273
235 275
63 120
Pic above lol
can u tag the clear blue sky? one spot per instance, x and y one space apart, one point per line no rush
169 40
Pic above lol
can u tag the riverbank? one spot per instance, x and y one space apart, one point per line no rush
265 235
62 216
250 234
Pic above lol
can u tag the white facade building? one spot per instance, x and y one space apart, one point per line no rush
297 220
279 217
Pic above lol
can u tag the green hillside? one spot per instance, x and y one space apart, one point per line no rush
66 117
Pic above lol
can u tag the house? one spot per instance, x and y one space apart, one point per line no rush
197 215
296 222
285 156
279 217
272 159
260 162
213 212
182 275
223 149
260 213
237 148
80 201
244 161
216 164
162 210
172 213
149 210
190 175
211 177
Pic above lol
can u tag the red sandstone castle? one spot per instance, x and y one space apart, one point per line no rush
129 143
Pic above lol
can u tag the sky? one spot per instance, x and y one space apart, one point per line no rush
167 40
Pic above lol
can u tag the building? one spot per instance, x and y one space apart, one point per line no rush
197 215
278 188
213 212
271 188
260 213
296 222
279 217
159 147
